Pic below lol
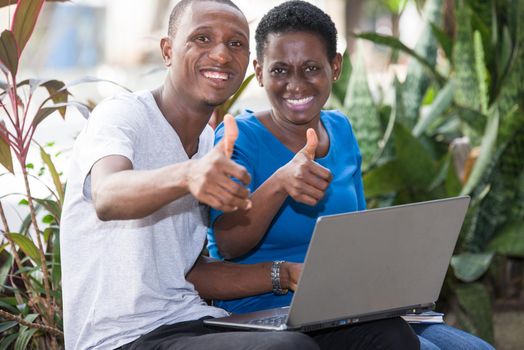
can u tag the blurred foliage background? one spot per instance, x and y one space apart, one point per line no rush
437 116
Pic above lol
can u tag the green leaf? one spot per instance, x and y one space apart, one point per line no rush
396 44
468 267
362 112
9 51
9 307
7 341
444 40
27 246
54 173
487 150
23 202
23 340
476 304
4 326
24 21
419 168
6 158
510 240
482 73
7 259
441 103
384 179
231 101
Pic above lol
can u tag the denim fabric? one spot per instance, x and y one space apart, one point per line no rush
444 337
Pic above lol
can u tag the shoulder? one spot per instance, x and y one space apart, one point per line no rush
246 122
336 119
125 108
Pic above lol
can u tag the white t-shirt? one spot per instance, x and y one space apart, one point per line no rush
122 279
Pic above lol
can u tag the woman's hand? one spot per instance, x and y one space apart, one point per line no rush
302 178
290 274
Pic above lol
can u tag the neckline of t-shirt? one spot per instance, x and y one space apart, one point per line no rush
323 120
149 95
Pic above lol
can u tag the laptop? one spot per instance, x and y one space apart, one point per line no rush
367 265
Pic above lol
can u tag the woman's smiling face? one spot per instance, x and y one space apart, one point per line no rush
297 75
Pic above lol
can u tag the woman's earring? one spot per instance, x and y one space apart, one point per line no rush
335 78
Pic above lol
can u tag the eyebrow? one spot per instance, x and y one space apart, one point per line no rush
237 32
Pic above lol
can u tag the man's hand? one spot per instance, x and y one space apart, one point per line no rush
210 178
302 178
290 274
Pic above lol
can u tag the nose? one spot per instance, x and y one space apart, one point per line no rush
295 83
220 53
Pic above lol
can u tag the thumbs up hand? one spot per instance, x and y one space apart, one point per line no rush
210 179
302 178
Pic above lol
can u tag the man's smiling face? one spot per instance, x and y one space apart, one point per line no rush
209 53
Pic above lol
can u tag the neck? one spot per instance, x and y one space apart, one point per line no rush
188 121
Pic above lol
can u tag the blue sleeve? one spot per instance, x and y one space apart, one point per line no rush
244 153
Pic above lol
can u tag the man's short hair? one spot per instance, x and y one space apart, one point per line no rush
296 16
180 7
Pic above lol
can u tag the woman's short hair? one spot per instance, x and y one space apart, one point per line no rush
296 16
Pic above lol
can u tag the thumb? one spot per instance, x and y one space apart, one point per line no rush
230 134
311 144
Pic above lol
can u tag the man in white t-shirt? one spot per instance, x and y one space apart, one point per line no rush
133 225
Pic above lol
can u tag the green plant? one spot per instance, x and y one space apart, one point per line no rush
475 90
30 277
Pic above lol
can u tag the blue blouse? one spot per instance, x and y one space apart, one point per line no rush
289 233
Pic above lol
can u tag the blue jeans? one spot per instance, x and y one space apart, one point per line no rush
444 337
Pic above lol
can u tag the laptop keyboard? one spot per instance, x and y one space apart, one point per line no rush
274 321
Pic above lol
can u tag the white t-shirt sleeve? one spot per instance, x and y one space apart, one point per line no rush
111 130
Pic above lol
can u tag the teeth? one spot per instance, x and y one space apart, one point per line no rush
216 75
300 101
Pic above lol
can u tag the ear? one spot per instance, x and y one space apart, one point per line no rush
336 66
258 72
166 50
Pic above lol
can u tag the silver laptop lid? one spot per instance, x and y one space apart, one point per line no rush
376 260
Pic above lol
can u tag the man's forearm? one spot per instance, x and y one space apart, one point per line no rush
133 194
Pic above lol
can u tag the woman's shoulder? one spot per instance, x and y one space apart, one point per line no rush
335 118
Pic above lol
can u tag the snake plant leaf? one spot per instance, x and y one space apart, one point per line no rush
417 80
482 73
487 149
24 21
418 167
362 112
444 40
6 158
384 179
469 267
467 82
510 240
439 105
396 44
9 51
475 300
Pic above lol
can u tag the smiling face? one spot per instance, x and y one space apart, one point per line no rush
208 54
297 75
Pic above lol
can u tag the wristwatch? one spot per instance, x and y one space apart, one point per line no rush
275 278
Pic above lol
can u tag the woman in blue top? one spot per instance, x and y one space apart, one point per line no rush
293 184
